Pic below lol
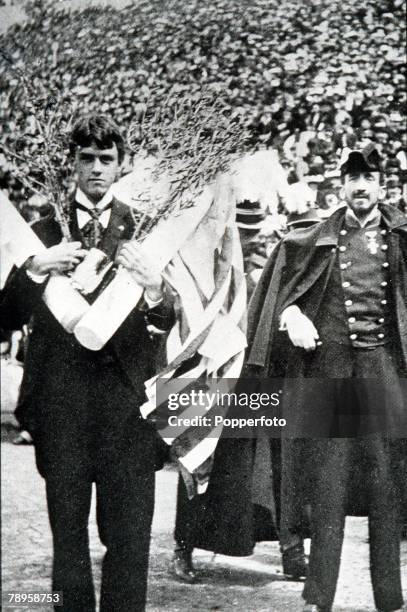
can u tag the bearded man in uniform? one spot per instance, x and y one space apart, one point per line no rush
330 313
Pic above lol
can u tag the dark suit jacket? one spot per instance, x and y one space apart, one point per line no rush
72 398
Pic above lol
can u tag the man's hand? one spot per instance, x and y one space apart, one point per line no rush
143 269
300 328
62 257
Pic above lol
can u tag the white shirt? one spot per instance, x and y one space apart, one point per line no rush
83 217
104 218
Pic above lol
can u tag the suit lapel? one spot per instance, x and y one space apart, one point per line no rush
119 229
76 233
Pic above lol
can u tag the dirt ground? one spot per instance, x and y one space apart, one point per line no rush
251 584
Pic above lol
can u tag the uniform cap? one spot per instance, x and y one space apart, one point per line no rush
366 158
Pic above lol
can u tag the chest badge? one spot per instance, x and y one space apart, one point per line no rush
372 244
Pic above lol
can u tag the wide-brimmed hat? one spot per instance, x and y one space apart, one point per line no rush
304 219
249 215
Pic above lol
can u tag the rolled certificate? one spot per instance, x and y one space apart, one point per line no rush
109 311
119 298
66 303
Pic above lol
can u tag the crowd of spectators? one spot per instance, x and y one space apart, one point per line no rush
309 77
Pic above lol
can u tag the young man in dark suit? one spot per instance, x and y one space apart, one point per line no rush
81 406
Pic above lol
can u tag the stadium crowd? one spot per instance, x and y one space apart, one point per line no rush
309 79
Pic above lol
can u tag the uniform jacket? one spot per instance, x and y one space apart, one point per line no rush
234 516
300 267
298 273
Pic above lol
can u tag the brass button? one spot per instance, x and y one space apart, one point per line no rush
349 303
380 336
383 284
384 247
353 336
381 320
384 302
385 264
343 232
352 319
343 266
346 284
342 249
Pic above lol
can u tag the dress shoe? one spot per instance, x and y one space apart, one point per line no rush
295 563
314 608
182 568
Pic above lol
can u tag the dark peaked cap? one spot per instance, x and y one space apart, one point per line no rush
367 158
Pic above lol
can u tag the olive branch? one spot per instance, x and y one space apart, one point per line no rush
39 157
193 140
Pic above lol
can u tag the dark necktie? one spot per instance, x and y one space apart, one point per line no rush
92 231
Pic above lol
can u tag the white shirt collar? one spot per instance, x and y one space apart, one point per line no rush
373 218
83 217
83 199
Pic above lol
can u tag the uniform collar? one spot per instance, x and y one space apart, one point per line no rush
393 217
328 231
372 220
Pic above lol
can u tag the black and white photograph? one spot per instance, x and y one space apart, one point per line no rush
203 305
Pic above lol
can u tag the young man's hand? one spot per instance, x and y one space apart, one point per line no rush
143 269
300 328
62 257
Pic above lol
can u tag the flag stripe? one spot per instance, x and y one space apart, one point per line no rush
216 326
198 455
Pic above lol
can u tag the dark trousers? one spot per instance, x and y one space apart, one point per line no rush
378 413
90 432
125 504
188 516
329 509
293 509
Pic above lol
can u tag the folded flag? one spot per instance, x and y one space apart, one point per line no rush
208 340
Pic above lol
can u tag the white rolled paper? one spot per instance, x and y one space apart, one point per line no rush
18 243
66 303
116 302
108 312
